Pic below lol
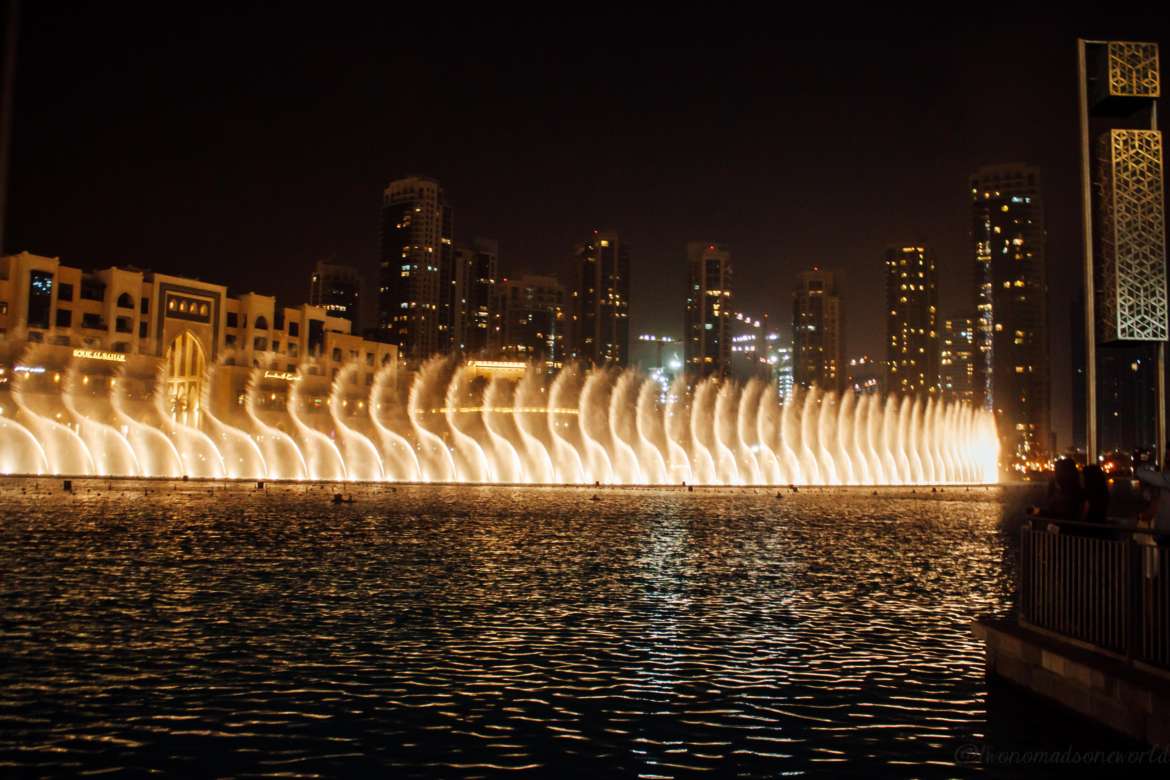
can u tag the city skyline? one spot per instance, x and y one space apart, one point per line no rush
892 168
385 394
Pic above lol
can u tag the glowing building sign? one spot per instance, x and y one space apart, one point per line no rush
287 376
94 354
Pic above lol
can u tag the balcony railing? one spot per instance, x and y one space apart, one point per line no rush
1100 586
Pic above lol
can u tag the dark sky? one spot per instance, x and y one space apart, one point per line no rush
241 146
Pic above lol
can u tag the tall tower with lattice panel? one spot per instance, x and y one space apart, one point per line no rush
1126 312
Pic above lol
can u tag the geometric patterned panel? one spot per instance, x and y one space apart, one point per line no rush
1132 261
1133 69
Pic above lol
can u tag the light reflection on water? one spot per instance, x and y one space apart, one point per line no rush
463 630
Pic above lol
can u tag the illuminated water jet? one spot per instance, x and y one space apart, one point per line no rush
453 425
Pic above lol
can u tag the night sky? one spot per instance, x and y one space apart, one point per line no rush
242 146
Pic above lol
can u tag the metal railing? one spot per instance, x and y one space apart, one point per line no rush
1103 586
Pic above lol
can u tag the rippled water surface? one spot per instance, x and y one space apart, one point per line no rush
193 628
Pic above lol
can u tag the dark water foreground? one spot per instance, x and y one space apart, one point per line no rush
198 629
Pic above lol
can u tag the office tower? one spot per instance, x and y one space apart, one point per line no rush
661 358
757 352
1124 234
911 320
783 370
957 357
866 376
818 331
1011 335
1126 385
419 287
750 350
1077 354
656 354
479 264
708 312
337 289
531 319
1126 399
602 324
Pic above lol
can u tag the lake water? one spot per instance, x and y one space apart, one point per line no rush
219 629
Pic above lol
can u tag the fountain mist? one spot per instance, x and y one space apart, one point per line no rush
452 425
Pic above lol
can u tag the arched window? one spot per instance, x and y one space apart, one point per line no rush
261 323
186 367
125 301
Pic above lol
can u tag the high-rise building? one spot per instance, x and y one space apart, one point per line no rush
531 320
911 320
1011 289
783 373
1124 244
749 353
866 376
660 357
337 289
480 269
957 357
1127 395
708 314
602 307
419 286
818 331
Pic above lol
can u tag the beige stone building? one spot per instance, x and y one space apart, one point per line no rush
146 328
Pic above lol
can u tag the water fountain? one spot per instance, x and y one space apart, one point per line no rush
453 424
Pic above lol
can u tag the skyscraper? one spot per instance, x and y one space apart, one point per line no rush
1126 383
531 318
1123 222
336 289
1011 357
479 264
708 312
818 331
866 376
784 378
418 286
957 357
911 320
602 325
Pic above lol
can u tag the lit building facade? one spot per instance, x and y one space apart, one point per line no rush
531 320
866 376
337 290
912 353
601 324
708 311
784 375
1011 371
758 353
1127 395
1122 393
818 331
661 357
131 322
957 357
419 287
480 265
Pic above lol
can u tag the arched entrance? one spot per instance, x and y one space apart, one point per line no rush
186 368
